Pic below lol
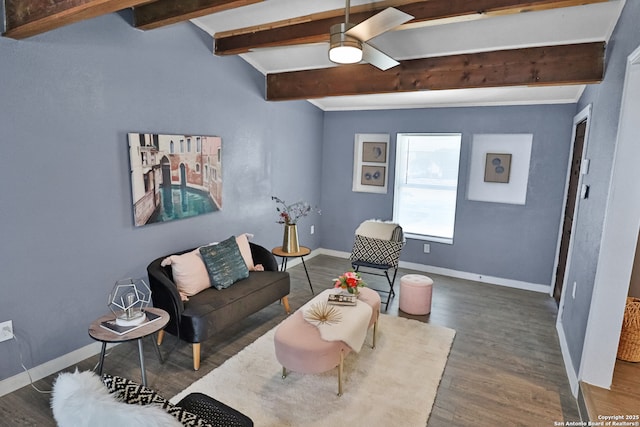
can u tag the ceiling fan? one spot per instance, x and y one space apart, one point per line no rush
348 43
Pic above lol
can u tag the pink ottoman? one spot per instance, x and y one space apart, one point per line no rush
415 294
300 348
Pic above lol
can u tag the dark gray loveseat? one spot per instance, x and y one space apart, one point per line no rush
212 310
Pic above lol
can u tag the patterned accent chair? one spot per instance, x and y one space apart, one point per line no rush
376 250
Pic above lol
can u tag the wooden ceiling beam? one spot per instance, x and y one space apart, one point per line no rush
536 66
166 12
26 18
315 28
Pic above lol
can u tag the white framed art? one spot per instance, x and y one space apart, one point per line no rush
371 162
499 170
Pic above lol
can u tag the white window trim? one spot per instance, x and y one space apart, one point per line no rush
427 238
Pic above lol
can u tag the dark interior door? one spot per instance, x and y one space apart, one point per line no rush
572 195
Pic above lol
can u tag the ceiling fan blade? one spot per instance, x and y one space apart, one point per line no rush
379 23
377 58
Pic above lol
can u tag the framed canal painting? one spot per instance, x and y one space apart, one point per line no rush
174 176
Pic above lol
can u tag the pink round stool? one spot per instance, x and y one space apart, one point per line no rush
415 294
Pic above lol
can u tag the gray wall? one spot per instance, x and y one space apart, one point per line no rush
605 99
67 100
490 238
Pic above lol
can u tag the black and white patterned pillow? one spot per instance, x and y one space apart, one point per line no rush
376 251
133 393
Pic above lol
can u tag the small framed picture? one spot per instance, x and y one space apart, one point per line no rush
370 162
374 152
497 167
373 175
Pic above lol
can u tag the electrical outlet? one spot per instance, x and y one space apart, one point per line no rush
313 229
6 330
427 248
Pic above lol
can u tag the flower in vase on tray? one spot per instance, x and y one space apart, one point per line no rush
350 281
290 214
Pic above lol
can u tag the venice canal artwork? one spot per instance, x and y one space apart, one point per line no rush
174 176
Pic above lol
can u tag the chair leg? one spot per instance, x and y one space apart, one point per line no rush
386 304
160 336
196 356
285 302
391 282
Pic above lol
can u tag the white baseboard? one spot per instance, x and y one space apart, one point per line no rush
293 261
566 356
331 252
517 284
20 380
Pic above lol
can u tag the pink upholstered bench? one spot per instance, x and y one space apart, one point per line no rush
300 348
415 294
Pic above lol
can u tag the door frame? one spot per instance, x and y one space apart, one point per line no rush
618 243
585 114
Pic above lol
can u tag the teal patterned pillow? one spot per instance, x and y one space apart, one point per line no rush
224 263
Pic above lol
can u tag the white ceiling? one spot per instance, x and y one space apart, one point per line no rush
578 24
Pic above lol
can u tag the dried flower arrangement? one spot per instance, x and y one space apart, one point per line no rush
290 214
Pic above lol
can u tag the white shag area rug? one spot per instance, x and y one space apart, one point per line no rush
393 384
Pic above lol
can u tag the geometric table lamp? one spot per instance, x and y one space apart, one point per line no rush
128 300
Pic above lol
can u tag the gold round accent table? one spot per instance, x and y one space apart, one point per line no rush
304 251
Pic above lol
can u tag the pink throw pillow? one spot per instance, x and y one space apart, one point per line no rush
245 250
189 273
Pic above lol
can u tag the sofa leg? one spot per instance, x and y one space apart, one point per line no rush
160 336
285 302
196 356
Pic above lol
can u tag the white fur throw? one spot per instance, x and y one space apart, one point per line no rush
80 399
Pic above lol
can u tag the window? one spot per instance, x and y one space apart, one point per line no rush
426 185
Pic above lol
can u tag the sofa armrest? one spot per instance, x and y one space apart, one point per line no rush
262 255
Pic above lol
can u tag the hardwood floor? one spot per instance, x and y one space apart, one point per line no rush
505 366
622 399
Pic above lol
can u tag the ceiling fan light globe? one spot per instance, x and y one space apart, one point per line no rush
344 49
344 54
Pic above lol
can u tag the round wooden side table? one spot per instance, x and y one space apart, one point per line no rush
104 335
304 251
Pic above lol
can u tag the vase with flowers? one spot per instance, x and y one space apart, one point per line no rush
351 281
289 216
